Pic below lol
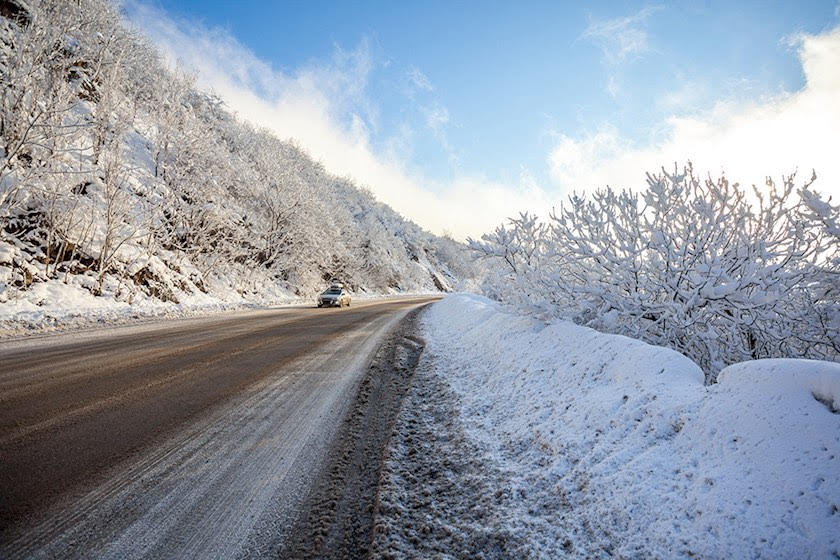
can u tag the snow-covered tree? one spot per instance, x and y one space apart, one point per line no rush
703 266
120 173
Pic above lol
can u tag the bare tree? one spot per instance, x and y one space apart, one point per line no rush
121 219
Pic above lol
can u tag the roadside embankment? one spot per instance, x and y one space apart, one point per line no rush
521 438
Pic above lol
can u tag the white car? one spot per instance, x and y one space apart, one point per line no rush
335 295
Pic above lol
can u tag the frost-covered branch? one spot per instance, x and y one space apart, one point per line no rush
695 264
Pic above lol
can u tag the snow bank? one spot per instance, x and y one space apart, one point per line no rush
616 448
55 306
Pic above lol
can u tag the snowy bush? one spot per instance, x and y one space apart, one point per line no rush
702 266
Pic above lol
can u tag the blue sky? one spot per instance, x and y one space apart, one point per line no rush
510 106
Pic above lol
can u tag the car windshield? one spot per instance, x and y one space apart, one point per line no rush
333 291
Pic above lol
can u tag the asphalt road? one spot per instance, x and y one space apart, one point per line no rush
175 440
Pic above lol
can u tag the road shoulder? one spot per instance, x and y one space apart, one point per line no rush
337 520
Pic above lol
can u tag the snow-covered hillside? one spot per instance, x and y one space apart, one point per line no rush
596 445
122 185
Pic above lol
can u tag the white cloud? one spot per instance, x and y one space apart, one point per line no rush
419 80
437 117
621 38
748 141
328 110
325 108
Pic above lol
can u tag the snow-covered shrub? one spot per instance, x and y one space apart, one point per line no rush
701 266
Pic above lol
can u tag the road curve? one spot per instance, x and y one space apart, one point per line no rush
175 440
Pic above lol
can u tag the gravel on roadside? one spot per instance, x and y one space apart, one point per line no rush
438 496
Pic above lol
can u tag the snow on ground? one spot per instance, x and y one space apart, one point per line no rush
54 305
58 306
599 445
70 308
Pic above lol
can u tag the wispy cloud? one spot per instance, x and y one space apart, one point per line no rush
434 114
419 80
327 109
746 139
620 40
437 117
437 120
